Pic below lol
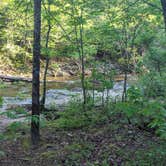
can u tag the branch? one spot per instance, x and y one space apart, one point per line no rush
152 5
57 22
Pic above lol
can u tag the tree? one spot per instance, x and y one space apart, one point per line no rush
35 134
78 24
47 56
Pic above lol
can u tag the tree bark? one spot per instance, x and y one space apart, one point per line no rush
35 122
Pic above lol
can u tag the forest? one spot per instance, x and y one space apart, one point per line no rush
82 83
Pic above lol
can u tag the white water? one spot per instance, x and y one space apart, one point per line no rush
55 98
60 97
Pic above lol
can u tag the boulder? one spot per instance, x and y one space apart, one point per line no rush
59 74
62 74
88 72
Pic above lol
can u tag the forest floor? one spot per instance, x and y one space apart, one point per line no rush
109 143
105 143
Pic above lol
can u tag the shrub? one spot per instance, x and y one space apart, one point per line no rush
153 85
75 117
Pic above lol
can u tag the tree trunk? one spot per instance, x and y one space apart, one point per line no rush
47 62
158 68
83 65
43 100
80 48
35 122
124 96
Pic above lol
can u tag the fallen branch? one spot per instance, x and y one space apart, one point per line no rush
14 78
24 79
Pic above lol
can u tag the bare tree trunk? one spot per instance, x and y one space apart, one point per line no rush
45 84
80 48
35 122
124 96
105 63
82 63
158 68
47 63
126 66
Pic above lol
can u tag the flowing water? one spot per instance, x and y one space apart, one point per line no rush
57 96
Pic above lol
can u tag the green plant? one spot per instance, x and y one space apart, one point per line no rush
15 113
2 153
16 130
153 85
2 85
74 116
1 101
146 114
77 152
156 114
134 94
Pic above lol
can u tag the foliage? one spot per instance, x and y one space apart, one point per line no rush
74 117
2 85
156 113
107 35
153 85
1 101
146 115
15 113
155 59
130 34
2 153
134 94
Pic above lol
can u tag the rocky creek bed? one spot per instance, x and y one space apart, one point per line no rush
57 97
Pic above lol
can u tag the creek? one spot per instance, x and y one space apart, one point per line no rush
57 96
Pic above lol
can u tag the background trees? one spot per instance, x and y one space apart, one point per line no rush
103 24
95 33
119 50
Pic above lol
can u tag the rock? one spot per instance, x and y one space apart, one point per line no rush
88 72
72 73
62 74
71 68
58 97
51 73
66 74
59 74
